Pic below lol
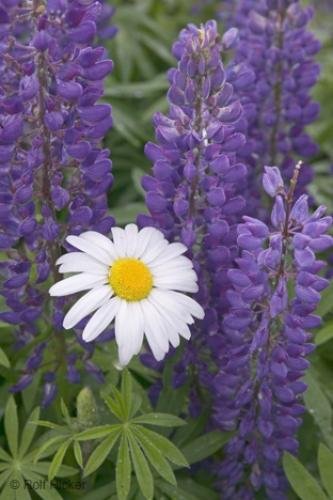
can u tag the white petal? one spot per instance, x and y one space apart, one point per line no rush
191 305
131 235
173 250
147 237
153 251
101 319
74 284
173 307
79 262
102 241
177 277
168 309
90 248
130 334
86 305
158 353
171 326
181 262
184 286
119 240
154 323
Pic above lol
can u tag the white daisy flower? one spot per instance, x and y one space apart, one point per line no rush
137 281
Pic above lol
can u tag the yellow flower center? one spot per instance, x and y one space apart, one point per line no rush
130 279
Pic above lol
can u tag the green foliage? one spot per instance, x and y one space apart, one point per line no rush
139 449
21 465
305 484
319 407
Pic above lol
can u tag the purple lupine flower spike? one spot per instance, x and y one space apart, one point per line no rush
275 44
54 173
194 191
259 383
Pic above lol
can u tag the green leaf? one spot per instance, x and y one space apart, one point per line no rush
155 456
194 427
141 468
175 493
4 476
199 491
11 425
102 493
123 469
50 442
302 482
28 432
22 492
166 447
161 50
319 407
4 456
325 304
8 493
205 446
58 459
137 174
128 213
65 412
47 424
324 334
78 454
4 361
97 432
126 391
137 90
43 468
47 493
115 404
159 419
325 464
100 453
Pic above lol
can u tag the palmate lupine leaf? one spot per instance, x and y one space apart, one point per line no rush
159 419
205 445
101 452
302 482
154 456
141 468
166 447
324 334
59 442
325 465
11 425
21 466
139 449
319 407
28 433
123 469
4 361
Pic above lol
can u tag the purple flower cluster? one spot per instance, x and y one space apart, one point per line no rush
193 193
54 173
276 289
276 45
